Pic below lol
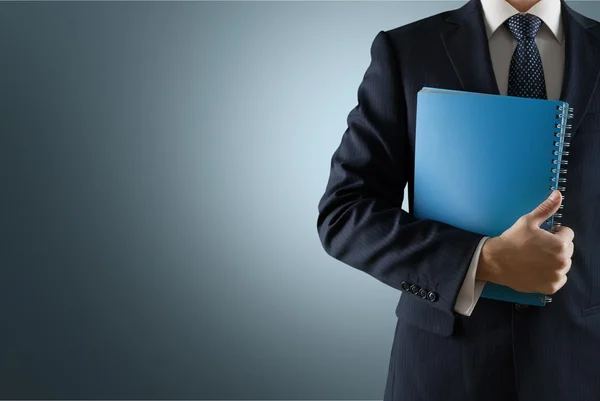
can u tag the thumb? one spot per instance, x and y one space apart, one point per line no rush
546 209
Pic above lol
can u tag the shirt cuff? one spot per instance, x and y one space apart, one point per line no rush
471 289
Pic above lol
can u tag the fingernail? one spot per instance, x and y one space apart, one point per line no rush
554 196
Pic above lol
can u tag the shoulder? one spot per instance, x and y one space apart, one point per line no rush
589 24
423 29
586 22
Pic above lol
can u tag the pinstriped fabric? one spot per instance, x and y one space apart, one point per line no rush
438 355
361 221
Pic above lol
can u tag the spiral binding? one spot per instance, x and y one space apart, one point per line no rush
558 178
557 169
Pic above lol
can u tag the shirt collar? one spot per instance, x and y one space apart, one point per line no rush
497 11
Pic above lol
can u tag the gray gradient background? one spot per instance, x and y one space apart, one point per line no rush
160 168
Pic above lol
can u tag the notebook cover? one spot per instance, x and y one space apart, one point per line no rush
482 161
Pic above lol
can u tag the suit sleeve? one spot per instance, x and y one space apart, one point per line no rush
360 218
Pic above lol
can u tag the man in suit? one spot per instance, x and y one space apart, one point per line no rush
449 343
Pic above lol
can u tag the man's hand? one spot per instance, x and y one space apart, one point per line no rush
527 258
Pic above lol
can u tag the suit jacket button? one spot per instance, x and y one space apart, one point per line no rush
432 296
423 293
414 289
405 286
521 307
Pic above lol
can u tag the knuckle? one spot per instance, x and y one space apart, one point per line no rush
568 233
555 283
522 221
562 258
544 207
555 286
563 252
561 248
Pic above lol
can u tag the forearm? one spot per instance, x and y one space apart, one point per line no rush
394 247
361 222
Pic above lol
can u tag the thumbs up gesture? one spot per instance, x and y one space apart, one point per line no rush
526 257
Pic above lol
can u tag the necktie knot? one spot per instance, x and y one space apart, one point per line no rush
523 26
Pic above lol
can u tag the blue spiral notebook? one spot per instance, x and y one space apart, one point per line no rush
482 161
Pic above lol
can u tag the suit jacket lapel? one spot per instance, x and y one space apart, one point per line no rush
466 44
582 63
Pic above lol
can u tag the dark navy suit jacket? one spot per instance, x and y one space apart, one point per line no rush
499 352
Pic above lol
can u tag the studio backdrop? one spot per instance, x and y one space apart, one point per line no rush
160 169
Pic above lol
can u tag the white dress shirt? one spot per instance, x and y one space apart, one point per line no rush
550 42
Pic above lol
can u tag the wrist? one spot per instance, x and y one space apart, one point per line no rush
488 268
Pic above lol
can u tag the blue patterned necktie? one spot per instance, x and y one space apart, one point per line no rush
526 76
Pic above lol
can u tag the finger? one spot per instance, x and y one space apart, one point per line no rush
553 288
566 268
570 249
546 209
564 233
